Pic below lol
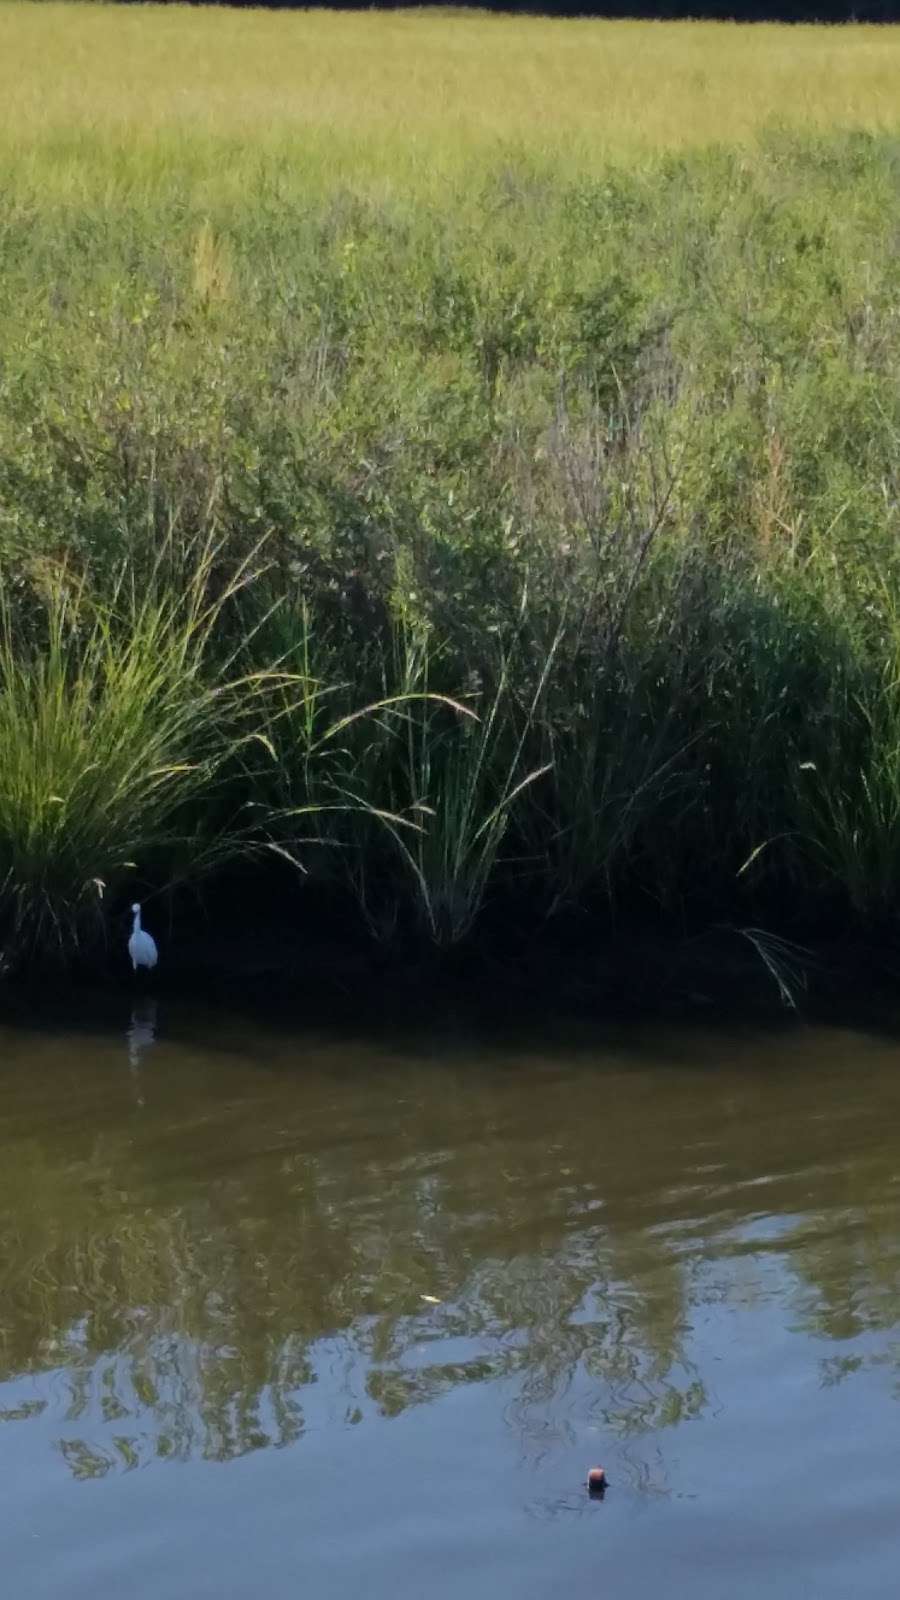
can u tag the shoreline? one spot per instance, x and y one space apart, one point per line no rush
296 976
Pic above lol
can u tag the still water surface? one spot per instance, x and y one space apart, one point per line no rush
289 1314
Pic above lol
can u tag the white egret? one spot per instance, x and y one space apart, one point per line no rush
142 945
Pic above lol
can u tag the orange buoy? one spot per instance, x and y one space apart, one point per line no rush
597 1480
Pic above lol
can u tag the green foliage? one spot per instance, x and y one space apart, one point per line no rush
657 404
114 729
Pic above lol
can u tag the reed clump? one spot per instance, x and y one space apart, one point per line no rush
116 724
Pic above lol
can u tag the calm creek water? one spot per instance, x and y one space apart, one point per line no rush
288 1314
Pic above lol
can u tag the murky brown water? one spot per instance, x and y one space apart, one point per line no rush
290 1315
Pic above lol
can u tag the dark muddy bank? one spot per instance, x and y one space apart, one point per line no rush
320 966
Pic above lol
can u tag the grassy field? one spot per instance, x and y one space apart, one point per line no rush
97 97
458 455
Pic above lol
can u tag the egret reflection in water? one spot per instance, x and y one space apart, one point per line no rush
140 1036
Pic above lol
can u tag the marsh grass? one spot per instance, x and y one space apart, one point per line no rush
460 769
414 97
599 314
848 800
114 722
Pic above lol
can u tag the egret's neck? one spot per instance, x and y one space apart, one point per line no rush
137 921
